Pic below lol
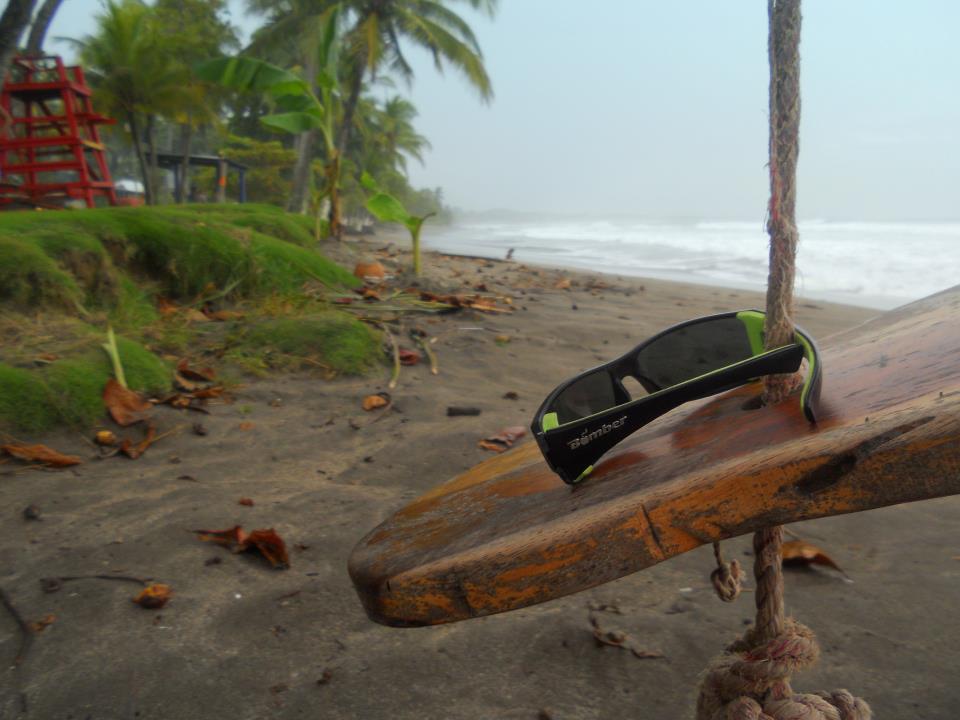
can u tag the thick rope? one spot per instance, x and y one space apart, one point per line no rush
751 681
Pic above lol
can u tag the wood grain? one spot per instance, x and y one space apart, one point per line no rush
509 533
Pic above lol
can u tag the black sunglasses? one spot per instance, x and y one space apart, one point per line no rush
587 415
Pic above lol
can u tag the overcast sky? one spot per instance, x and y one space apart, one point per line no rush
659 109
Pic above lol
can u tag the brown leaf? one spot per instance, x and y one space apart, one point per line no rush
246 425
503 439
193 315
126 407
369 271
204 374
38 626
46 358
154 596
562 284
135 451
40 454
230 538
409 357
799 552
501 339
271 546
379 400
211 392
166 307
225 315
246 502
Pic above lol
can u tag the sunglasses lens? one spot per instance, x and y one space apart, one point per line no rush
693 350
585 396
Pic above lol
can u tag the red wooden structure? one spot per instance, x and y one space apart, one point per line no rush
50 149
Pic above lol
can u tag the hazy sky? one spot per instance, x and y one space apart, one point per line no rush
660 109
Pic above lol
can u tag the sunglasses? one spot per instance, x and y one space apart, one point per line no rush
587 415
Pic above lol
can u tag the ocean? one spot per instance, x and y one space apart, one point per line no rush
871 264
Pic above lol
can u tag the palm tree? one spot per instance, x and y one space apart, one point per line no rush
133 75
15 18
41 23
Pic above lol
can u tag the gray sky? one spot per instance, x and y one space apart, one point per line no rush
659 109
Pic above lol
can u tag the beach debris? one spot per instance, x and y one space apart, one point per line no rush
41 455
199 429
134 451
409 357
270 545
395 354
376 401
245 501
458 410
38 626
369 271
619 639
511 395
32 512
45 358
503 440
126 407
472 302
801 553
501 339
246 426
105 438
204 375
420 336
154 596
562 284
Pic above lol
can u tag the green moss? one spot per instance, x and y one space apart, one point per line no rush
77 388
335 340
29 278
26 404
144 370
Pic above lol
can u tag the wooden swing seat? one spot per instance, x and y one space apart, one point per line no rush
509 533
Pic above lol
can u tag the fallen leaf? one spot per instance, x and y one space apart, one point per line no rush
502 339
343 301
135 451
379 400
562 284
246 502
409 357
186 384
266 541
204 374
799 552
271 546
504 439
38 626
154 596
40 454
46 358
106 438
210 392
369 271
246 426
193 315
126 407
368 294
166 307
225 315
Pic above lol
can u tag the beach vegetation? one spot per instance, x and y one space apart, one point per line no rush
387 208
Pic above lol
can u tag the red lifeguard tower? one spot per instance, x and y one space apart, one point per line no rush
50 149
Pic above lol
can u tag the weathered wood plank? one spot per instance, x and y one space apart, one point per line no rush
508 533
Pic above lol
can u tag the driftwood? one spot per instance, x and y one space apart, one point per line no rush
508 533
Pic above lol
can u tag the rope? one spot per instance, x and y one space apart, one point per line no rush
751 681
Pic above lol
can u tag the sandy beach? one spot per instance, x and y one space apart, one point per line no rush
240 640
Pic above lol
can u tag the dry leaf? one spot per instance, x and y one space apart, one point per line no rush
503 439
369 271
166 307
126 407
246 426
246 502
105 438
154 596
46 358
225 315
502 339
40 454
562 284
267 542
799 552
192 315
198 374
379 400
409 357
271 546
38 626
210 392
134 451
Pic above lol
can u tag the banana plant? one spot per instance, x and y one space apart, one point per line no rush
386 208
301 104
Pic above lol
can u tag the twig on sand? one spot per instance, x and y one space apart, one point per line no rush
395 376
26 634
428 351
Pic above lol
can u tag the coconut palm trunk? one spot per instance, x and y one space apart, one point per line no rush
141 156
41 23
15 18
305 143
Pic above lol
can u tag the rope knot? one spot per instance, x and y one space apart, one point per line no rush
727 579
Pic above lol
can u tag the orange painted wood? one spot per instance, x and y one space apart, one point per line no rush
509 533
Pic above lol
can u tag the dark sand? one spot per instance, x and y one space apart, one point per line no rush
240 640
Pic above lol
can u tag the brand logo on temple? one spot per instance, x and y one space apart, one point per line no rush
587 436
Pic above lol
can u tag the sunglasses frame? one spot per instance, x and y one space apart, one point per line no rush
580 443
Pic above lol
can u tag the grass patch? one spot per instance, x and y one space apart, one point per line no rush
26 404
333 340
